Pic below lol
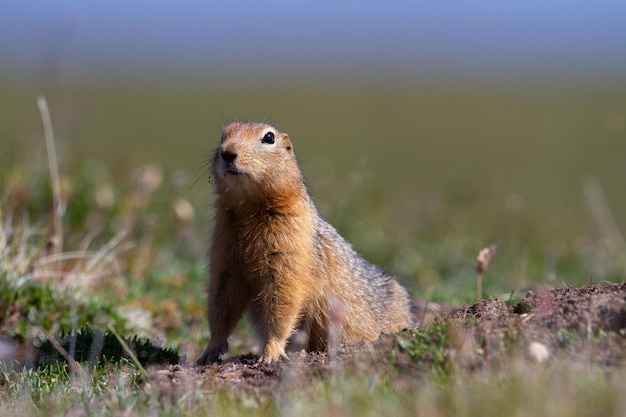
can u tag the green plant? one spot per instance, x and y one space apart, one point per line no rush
427 347
90 346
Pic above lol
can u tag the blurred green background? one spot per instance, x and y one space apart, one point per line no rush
420 161
497 165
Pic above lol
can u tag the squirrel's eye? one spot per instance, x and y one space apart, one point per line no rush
268 138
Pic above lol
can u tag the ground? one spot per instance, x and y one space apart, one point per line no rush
587 323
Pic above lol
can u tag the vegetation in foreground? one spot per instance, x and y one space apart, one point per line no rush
430 371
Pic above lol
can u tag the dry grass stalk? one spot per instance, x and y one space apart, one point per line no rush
480 265
58 203
605 220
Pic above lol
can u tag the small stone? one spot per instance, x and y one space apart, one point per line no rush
538 352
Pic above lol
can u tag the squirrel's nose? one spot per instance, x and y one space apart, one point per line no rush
228 156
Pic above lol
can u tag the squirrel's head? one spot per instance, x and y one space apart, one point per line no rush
254 157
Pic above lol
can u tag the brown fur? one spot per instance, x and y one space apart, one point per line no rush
274 255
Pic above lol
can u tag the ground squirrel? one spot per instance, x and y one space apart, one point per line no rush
275 256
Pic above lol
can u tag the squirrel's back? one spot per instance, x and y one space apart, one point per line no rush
372 299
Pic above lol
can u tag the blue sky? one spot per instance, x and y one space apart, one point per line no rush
525 38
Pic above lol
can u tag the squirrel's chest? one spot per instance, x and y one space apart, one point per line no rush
258 234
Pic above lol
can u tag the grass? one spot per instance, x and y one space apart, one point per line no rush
428 346
559 388
418 180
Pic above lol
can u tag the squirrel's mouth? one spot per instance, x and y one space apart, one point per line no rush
233 171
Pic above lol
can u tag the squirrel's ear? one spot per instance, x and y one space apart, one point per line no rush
287 143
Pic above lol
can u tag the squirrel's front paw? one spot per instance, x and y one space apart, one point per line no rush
273 352
212 354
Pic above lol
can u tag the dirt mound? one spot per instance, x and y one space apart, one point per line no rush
589 322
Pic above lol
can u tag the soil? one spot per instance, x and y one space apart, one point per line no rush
587 323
